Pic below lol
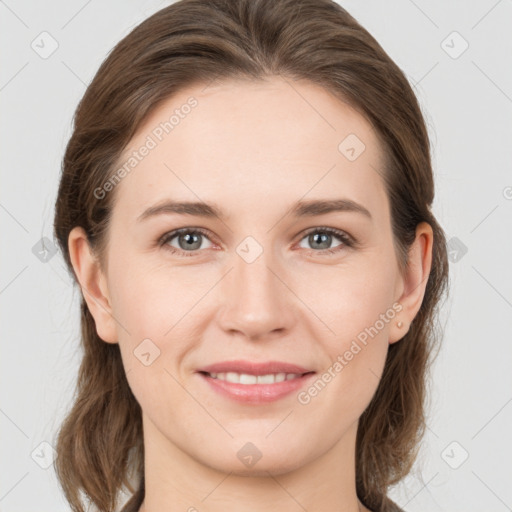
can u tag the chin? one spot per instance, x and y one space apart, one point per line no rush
275 464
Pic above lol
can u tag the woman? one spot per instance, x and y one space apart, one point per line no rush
229 362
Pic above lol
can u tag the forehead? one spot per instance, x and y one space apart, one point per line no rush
242 142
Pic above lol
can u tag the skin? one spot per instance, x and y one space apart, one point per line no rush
254 149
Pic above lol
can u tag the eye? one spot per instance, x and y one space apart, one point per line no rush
188 240
321 238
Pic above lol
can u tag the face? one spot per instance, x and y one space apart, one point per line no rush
263 273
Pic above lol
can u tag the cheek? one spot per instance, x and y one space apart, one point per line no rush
357 307
157 313
149 299
358 310
350 298
161 313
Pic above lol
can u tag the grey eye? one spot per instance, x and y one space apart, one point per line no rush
321 239
187 240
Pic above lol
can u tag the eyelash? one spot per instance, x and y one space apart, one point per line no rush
347 240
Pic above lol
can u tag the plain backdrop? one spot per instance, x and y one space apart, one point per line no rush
458 57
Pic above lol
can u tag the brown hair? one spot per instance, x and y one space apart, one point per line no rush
100 445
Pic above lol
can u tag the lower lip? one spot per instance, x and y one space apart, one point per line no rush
256 393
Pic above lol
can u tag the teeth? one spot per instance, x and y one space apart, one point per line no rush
244 378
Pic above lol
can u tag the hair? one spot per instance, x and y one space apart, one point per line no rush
100 443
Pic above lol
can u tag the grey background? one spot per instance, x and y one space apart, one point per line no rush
467 101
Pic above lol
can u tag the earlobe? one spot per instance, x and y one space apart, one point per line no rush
92 283
414 281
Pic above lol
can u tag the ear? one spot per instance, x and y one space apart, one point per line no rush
414 282
93 284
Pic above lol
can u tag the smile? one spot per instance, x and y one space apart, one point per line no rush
245 378
255 389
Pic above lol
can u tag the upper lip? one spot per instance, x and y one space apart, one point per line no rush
253 368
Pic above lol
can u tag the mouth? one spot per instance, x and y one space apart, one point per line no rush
255 389
245 367
247 379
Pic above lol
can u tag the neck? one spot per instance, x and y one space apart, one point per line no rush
174 480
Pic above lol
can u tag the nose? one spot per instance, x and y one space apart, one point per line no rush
256 300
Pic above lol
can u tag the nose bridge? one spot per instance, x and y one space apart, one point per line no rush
257 302
254 280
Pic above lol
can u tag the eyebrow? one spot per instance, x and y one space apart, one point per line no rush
309 208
